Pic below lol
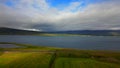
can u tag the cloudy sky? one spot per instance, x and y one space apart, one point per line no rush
50 15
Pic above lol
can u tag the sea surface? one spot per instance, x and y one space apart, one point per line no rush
77 42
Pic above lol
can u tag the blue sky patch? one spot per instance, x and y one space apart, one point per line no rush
10 3
62 4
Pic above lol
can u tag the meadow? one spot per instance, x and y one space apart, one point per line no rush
49 57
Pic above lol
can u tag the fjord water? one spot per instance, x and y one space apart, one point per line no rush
79 42
8 46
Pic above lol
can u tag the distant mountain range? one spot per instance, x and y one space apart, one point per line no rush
92 32
11 31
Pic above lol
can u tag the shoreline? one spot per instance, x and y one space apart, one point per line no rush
27 46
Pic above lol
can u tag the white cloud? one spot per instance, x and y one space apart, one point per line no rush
29 13
30 29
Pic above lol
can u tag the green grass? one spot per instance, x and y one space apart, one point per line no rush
82 63
25 60
30 56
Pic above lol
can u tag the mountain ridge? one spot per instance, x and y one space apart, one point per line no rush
12 31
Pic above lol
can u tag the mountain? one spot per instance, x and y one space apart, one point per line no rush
11 31
91 32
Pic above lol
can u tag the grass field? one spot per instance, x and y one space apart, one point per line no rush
25 60
83 63
48 57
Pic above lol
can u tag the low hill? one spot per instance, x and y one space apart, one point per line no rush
11 31
92 32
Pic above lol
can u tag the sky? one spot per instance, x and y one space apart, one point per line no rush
59 15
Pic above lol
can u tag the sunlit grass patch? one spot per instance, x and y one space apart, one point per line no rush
25 60
8 57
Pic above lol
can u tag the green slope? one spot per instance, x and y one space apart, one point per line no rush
82 63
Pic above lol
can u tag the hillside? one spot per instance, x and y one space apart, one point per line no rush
11 31
92 32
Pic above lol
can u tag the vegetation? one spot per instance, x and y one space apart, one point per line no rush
25 60
83 63
29 56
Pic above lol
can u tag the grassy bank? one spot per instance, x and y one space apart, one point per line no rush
48 57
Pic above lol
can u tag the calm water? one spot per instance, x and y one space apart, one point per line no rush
8 46
87 43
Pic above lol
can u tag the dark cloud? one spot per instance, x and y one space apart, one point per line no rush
44 27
